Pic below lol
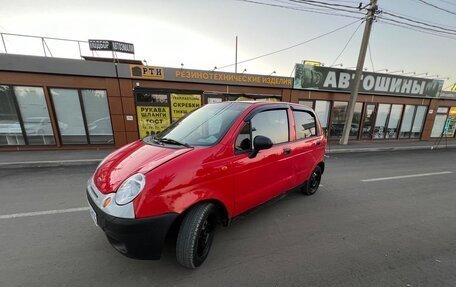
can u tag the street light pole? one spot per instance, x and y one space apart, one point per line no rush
359 70
235 56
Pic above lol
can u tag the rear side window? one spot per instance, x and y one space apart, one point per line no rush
305 124
272 124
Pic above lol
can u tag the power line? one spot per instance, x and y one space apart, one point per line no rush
420 27
447 2
384 21
290 47
437 7
326 3
328 7
319 11
346 44
446 26
418 22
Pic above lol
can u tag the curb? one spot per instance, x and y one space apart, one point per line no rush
383 149
88 162
50 163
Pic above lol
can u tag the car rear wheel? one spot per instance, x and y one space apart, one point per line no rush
196 234
313 183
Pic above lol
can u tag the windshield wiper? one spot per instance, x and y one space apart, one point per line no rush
172 141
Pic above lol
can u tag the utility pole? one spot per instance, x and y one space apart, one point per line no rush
359 70
235 56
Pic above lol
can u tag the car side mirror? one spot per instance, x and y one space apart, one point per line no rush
259 143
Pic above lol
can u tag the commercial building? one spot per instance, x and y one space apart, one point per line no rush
55 103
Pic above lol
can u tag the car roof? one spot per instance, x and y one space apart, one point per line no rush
293 106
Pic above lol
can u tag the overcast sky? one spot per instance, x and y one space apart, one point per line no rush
201 33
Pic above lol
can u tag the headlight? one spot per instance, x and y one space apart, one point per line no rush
130 189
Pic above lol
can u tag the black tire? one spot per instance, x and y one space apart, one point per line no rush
311 185
196 234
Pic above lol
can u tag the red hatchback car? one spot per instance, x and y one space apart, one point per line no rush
205 169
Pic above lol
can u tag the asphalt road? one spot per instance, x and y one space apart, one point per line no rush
387 232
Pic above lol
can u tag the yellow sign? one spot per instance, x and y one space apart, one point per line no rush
453 88
149 72
152 119
218 77
312 63
182 104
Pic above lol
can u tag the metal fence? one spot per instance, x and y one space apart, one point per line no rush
48 47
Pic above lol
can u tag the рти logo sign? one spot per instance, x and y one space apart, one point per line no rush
147 72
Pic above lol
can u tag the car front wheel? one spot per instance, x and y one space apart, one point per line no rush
196 234
313 183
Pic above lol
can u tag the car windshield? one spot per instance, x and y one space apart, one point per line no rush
203 127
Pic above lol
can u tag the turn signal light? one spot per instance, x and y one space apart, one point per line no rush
107 202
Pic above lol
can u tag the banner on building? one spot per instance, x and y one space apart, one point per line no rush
200 76
341 80
109 45
152 119
182 104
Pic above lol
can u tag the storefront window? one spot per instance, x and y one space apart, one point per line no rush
418 121
322 111
451 128
10 127
368 122
393 122
82 112
306 103
439 124
338 119
69 114
380 123
97 114
356 120
35 115
407 121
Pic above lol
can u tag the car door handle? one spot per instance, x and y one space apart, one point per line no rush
318 143
287 150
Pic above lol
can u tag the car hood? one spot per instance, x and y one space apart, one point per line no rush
130 159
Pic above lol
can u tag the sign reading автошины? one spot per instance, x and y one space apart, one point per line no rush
108 45
341 80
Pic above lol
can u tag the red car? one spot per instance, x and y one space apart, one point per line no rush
205 169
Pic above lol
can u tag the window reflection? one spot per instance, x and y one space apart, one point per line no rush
338 119
271 124
393 121
68 110
322 111
368 122
418 122
407 120
380 123
10 127
35 115
304 124
97 115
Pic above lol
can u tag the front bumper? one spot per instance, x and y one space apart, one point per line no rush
135 238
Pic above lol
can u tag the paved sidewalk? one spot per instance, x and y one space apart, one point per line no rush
381 146
20 159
